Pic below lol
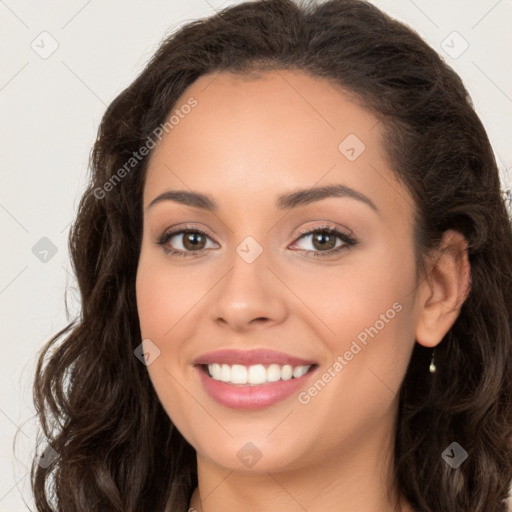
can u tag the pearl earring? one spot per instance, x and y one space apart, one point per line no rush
432 366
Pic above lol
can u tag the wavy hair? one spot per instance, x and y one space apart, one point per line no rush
95 403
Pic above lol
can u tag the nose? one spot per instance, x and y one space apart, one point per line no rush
249 295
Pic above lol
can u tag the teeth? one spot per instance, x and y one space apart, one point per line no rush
273 373
238 374
286 372
255 374
299 371
225 373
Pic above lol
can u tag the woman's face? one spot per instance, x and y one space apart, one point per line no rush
255 282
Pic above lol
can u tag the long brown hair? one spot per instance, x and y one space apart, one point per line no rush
117 448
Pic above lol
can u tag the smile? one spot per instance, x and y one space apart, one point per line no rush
246 390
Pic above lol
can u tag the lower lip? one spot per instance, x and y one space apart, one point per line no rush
246 397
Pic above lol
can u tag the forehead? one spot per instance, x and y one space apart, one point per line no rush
252 136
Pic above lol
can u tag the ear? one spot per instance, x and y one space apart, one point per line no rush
444 290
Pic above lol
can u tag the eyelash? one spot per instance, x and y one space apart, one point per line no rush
348 240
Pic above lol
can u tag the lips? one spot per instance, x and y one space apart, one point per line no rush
251 357
250 396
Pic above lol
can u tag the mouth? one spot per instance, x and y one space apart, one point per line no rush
249 387
252 379
256 374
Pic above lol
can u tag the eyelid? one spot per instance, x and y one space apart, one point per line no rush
312 229
180 228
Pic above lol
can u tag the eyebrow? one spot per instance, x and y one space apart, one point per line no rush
286 201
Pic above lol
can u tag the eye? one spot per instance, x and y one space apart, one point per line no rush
323 241
189 241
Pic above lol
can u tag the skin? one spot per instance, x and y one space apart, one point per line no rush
248 140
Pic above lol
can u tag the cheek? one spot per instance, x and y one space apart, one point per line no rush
350 298
170 304
370 340
165 295
152 301
369 313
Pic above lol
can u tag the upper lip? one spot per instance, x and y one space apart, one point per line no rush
250 357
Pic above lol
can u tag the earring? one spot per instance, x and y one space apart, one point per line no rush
432 366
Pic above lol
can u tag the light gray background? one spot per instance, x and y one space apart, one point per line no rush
50 110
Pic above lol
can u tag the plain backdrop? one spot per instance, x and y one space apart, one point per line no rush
62 64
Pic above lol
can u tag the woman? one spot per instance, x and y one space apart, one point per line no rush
294 262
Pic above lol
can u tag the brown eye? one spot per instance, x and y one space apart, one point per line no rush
193 240
324 241
184 242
